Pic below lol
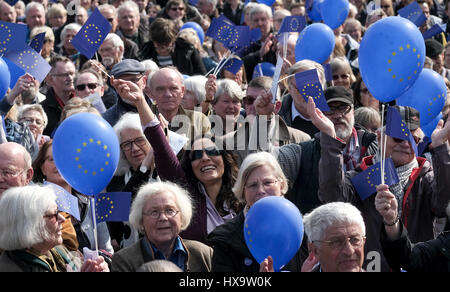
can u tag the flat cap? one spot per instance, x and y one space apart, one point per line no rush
433 48
339 93
127 66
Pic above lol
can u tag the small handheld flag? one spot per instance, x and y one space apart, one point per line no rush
308 84
66 201
414 13
112 206
12 36
30 61
37 42
397 128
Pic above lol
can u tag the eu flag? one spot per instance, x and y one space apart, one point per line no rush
66 201
37 42
366 182
308 84
414 13
233 65
90 37
112 206
397 128
12 36
30 61
292 24
434 30
11 2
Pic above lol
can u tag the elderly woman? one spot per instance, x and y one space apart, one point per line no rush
194 93
30 235
336 234
65 48
160 211
35 117
45 171
363 97
207 172
368 119
260 176
136 166
342 72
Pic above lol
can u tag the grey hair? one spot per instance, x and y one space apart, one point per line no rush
108 6
305 65
261 8
128 5
367 115
117 42
33 107
323 217
159 266
126 122
151 67
182 198
341 62
22 224
196 84
71 26
250 163
230 88
32 5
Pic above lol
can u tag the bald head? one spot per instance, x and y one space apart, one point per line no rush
15 166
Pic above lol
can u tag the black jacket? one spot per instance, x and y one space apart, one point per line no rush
185 57
53 111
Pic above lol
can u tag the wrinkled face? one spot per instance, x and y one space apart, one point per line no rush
354 30
35 17
110 54
13 171
111 17
128 21
7 13
167 90
261 183
341 77
263 22
35 122
87 84
335 257
81 16
189 100
207 167
161 231
399 150
343 118
70 34
53 224
176 11
135 146
62 77
227 108
57 20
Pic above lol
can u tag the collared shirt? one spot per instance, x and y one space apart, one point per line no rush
178 255
296 113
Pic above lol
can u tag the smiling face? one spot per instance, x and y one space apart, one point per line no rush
139 148
261 183
208 168
49 169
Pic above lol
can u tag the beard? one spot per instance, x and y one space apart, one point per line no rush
344 132
107 61
28 96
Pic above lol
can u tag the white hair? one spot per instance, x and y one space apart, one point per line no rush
196 84
22 224
305 65
33 107
71 26
151 67
258 8
128 5
182 199
32 5
117 42
323 217
230 88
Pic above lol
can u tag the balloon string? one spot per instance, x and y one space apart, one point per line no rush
285 78
383 145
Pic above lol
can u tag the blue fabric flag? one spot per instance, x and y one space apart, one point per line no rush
11 2
414 13
92 34
434 30
66 201
292 24
423 145
397 128
232 37
12 36
366 182
328 73
308 4
112 206
233 65
37 42
30 61
308 84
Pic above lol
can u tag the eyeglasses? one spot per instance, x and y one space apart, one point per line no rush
53 216
343 110
267 183
127 145
64 75
249 100
355 241
38 122
8 173
169 213
91 86
177 8
342 76
110 19
198 154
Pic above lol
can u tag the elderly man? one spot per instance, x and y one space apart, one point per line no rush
15 166
336 237
421 193
208 7
110 13
127 70
111 50
7 12
129 23
89 82
60 80
34 15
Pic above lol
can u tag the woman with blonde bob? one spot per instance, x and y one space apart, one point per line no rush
30 234
160 211
260 176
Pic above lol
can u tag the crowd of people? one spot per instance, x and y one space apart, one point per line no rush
152 81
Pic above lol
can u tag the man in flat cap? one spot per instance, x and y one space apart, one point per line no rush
435 51
421 193
127 70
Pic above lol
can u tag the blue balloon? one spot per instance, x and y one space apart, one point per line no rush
5 78
391 57
427 95
273 227
267 2
14 71
198 29
315 42
86 152
267 69
431 126
315 13
334 12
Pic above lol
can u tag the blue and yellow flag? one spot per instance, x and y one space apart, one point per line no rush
292 24
434 30
308 84
90 37
414 13
37 42
66 201
233 65
113 206
12 36
366 182
30 61
397 128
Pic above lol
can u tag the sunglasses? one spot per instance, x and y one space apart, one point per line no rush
81 87
177 8
198 154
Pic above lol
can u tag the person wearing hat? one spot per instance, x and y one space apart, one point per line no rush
435 51
421 193
127 70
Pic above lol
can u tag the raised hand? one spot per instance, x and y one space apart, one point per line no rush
441 134
128 90
324 124
386 204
